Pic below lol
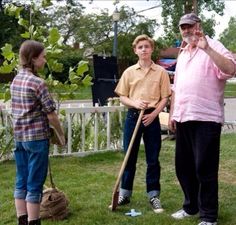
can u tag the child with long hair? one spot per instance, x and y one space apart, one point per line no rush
33 109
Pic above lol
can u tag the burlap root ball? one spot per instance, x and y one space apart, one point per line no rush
54 205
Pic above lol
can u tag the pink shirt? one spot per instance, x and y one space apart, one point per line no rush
199 86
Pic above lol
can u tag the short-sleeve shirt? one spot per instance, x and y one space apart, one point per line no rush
151 86
199 85
31 102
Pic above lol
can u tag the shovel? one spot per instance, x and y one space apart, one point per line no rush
115 194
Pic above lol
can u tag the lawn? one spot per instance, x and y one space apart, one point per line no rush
230 90
88 183
86 92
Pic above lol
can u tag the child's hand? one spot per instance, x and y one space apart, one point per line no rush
141 104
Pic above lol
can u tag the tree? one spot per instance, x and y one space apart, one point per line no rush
228 36
95 31
172 10
10 30
68 18
129 26
3 2
54 48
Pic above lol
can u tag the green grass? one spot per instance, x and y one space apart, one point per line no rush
88 183
86 92
230 90
82 93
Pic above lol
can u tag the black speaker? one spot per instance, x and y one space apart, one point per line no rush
105 78
102 90
105 68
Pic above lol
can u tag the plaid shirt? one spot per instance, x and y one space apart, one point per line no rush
31 102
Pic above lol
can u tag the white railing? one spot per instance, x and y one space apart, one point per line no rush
79 115
101 121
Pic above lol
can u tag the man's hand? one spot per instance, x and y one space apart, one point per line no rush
202 41
172 125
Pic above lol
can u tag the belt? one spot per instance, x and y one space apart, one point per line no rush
147 111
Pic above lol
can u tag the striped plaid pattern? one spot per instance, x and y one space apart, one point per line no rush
31 102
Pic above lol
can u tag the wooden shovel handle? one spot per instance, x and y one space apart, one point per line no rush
130 147
117 184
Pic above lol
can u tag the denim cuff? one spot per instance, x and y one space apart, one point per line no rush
33 197
19 194
153 193
126 193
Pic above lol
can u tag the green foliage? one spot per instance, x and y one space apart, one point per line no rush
172 10
46 3
68 19
228 36
62 91
10 30
53 42
13 10
95 31
7 94
69 58
54 36
117 128
89 131
130 26
208 26
92 30
7 52
6 136
10 57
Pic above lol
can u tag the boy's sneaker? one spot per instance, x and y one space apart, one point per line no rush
207 223
123 200
180 214
156 205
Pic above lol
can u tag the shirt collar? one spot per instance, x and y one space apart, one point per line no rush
137 66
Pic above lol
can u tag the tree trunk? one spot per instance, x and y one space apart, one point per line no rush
195 8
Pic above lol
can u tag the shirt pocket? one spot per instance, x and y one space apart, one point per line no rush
153 89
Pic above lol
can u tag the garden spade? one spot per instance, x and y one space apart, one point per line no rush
115 194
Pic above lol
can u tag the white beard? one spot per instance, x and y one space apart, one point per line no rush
191 39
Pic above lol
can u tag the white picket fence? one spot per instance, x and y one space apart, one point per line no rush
79 114
75 112
85 111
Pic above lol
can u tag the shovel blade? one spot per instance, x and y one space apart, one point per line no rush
114 203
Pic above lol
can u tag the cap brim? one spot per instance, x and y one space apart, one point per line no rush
191 22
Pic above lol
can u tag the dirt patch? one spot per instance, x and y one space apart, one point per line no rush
227 177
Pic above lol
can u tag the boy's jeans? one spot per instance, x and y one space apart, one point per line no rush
152 142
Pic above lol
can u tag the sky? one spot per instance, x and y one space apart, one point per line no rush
155 13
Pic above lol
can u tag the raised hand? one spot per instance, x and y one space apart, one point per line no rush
202 41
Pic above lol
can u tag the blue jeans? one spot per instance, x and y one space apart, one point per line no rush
152 143
31 169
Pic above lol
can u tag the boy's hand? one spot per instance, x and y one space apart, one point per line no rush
141 104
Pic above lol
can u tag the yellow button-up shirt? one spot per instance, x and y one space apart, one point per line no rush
151 86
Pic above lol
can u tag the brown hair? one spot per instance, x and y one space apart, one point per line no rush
143 37
28 51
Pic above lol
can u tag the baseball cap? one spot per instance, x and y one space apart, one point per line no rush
190 18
